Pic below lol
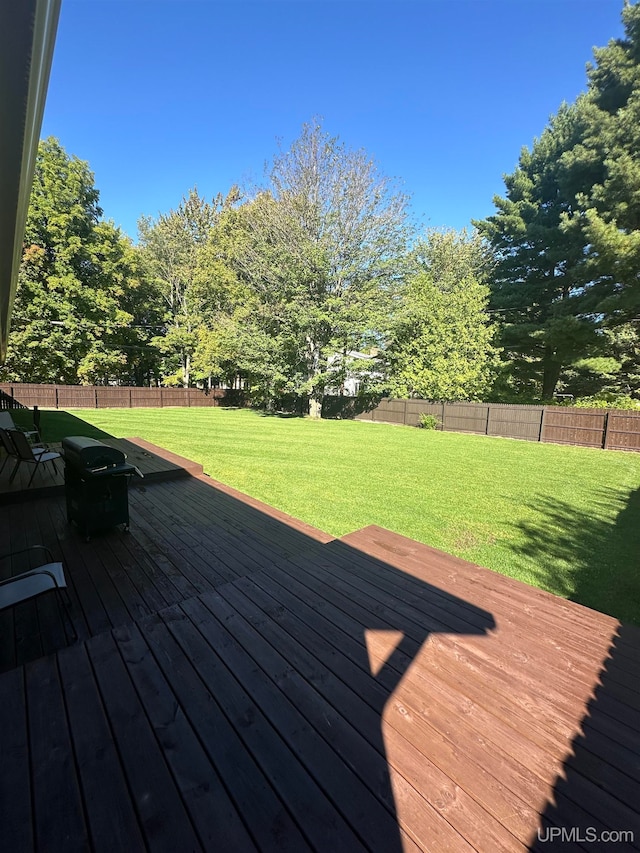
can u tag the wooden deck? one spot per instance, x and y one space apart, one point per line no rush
154 462
246 682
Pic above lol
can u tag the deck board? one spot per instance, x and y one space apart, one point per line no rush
163 818
212 811
111 815
58 815
245 682
267 819
15 783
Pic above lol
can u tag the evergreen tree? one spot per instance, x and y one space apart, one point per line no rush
567 234
537 289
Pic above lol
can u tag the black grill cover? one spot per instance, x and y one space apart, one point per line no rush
89 454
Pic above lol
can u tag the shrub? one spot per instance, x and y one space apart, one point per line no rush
606 401
426 421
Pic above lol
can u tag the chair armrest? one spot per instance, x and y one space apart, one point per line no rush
40 571
25 550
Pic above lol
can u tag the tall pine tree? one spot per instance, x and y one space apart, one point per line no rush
567 232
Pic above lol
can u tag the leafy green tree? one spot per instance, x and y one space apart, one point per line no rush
323 250
442 346
76 301
172 246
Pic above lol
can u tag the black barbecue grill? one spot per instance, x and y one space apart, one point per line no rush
96 480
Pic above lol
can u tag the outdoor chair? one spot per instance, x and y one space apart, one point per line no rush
9 447
7 444
48 577
26 452
10 450
7 422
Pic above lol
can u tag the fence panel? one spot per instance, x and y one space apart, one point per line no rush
175 397
465 417
76 397
113 397
199 398
390 411
512 421
417 407
615 430
31 395
365 416
623 431
145 398
104 396
582 427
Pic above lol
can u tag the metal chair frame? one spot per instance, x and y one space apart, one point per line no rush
28 453
27 586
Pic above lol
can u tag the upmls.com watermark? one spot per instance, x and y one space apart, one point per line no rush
586 834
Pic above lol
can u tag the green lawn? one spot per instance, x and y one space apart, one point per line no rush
563 518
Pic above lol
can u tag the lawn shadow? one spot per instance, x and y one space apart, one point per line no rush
57 424
584 558
284 415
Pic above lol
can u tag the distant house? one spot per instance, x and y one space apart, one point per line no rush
354 370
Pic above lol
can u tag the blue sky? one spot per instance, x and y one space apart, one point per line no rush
163 95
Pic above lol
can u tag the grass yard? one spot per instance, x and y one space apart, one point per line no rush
562 518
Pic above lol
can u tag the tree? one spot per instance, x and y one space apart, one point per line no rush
170 247
537 289
567 234
74 307
322 251
226 305
608 216
442 345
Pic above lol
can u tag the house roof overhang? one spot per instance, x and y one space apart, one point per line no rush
27 38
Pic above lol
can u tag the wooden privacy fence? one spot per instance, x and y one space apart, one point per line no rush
612 429
14 395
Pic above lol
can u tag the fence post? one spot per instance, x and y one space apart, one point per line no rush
130 403
161 403
542 416
404 416
605 431
486 429
95 394
56 393
442 417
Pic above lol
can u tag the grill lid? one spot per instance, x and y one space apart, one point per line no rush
90 454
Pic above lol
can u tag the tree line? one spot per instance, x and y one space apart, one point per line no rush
317 278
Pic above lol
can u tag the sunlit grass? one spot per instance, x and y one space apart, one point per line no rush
563 518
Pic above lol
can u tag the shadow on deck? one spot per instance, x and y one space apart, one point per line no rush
244 681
